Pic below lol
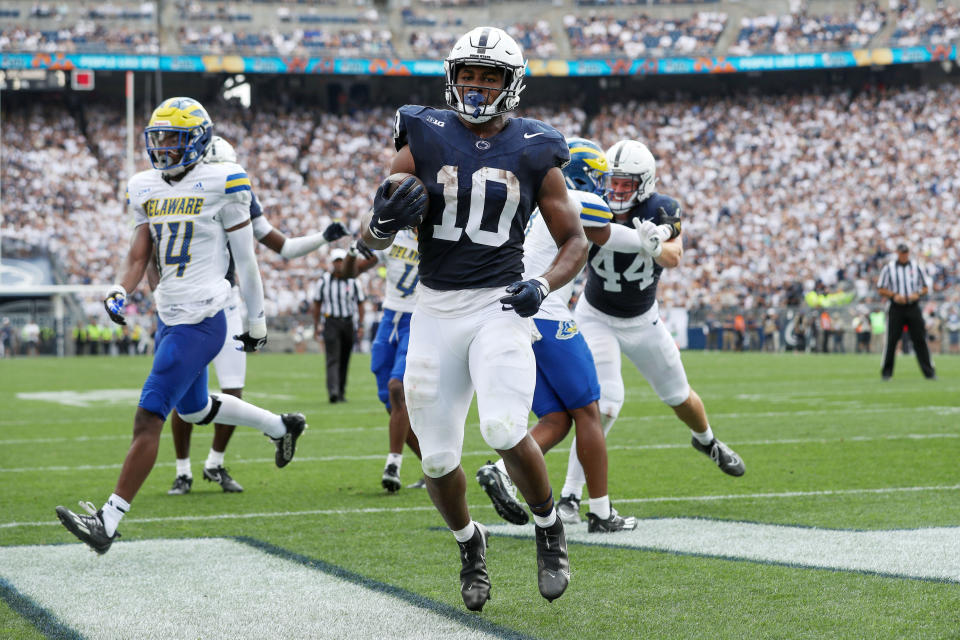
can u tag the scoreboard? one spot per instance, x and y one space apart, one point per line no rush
46 79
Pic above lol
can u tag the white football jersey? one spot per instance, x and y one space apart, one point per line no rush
188 221
402 261
539 251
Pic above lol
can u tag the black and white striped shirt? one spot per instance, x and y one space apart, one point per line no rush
903 279
338 297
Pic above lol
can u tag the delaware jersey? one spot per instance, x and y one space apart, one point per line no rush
540 249
187 222
401 260
482 191
624 285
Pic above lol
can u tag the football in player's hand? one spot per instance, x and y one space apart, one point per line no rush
422 204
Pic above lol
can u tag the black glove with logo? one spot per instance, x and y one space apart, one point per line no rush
334 231
526 298
402 210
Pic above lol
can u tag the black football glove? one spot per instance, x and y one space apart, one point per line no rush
114 302
250 344
527 297
399 211
334 231
359 247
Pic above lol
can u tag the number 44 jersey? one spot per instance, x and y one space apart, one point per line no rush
624 285
482 191
188 221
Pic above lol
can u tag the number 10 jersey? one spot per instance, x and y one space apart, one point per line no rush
482 191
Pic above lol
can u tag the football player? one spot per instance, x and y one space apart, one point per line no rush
388 352
231 363
485 173
186 213
567 388
618 309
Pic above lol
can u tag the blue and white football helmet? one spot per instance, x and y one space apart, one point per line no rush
486 47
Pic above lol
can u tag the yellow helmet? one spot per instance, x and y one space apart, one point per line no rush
178 134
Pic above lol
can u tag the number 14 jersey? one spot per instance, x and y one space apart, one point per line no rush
482 191
188 221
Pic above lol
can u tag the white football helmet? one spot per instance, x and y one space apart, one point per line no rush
220 151
489 47
629 159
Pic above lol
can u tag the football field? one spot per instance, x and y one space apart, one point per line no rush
846 524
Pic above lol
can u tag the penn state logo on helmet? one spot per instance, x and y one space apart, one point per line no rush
632 177
177 135
488 47
587 167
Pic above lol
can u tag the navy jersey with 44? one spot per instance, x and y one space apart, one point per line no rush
624 285
482 191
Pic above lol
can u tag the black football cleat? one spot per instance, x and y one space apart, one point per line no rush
553 565
222 478
615 522
89 529
722 455
474 580
287 443
502 494
181 486
391 478
568 509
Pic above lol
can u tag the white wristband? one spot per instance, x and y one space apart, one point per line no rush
545 284
258 328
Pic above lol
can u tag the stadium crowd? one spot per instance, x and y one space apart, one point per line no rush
638 35
781 194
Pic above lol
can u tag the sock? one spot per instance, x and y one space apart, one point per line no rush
462 535
546 521
600 507
214 459
500 464
394 458
183 467
704 438
113 511
236 411
544 514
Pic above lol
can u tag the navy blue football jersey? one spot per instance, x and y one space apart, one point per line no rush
255 212
482 191
624 285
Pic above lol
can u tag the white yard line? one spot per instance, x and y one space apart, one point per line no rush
555 450
368 510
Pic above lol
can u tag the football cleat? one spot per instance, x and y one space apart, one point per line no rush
474 579
221 477
181 485
568 509
503 494
553 565
287 443
419 484
89 529
615 522
722 455
391 478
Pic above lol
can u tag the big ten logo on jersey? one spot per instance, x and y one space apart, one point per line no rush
567 329
180 206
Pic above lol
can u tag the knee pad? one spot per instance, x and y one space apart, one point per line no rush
421 381
677 398
205 415
502 434
437 465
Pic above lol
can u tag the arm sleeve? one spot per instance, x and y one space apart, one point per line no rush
296 247
624 239
248 274
261 227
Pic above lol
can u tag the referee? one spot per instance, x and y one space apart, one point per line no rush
903 282
335 305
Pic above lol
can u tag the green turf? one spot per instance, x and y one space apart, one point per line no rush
803 423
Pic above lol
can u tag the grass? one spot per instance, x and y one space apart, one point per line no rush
813 430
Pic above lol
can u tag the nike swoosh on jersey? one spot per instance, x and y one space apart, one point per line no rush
532 135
